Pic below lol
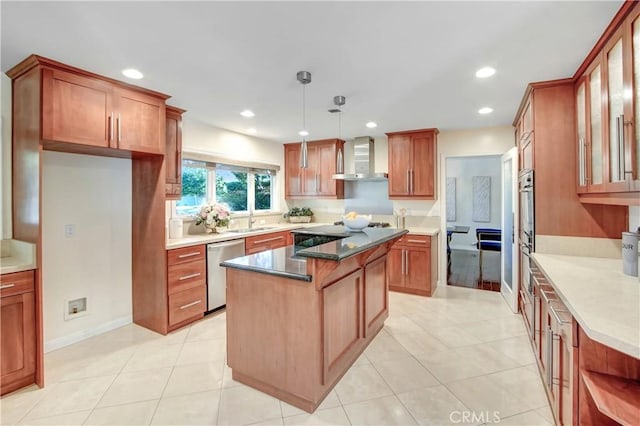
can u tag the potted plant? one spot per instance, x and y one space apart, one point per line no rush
213 215
299 215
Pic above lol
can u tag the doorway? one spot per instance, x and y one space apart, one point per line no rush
473 211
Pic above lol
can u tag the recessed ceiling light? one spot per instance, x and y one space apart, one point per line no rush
247 113
485 72
485 110
303 133
252 130
132 73
371 125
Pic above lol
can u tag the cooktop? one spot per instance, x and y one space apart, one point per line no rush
371 224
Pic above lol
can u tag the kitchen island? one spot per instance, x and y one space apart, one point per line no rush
298 319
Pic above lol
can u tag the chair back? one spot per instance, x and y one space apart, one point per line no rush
489 239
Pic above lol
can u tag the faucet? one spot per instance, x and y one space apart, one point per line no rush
251 219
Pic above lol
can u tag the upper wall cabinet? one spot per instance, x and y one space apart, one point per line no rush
412 164
173 154
83 109
314 181
608 119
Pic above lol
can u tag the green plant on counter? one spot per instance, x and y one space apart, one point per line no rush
299 211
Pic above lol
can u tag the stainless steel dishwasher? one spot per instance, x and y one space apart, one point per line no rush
216 274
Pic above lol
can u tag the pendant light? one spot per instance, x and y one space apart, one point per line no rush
304 77
339 101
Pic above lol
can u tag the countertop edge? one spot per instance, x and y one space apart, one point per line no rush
20 267
299 277
614 342
337 257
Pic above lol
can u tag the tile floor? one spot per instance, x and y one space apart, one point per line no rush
460 357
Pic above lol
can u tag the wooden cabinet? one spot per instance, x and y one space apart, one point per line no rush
607 98
173 153
186 285
412 164
273 240
17 331
553 109
413 265
316 180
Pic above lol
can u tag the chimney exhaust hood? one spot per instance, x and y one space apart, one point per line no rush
364 160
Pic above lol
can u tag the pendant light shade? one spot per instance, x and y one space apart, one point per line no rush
339 101
304 77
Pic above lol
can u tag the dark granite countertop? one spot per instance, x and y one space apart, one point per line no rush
289 263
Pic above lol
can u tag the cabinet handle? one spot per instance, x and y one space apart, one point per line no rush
111 127
182 256
416 241
186 277
402 262
317 182
411 181
2 287
188 305
549 365
626 171
408 181
406 259
119 128
268 239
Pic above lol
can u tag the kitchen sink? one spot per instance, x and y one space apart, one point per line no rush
242 230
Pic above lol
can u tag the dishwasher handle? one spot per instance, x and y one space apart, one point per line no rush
225 244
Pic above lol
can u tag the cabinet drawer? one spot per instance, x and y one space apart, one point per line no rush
415 240
17 283
187 304
185 254
263 242
186 275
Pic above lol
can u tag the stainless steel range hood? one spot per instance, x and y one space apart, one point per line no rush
364 161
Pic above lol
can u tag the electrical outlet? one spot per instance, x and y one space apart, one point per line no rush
69 230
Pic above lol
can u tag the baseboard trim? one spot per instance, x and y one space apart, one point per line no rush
79 336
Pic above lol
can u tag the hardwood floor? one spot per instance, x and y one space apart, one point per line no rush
464 271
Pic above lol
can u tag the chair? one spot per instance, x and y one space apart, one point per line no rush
489 239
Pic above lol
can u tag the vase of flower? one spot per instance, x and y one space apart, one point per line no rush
213 216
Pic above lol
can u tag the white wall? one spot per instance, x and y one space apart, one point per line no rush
94 194
464 169
5 164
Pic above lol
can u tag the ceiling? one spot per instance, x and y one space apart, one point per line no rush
404 65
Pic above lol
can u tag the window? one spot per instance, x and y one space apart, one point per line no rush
239 187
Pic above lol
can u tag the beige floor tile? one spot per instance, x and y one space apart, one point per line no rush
362 360
401 324
329 416
104 365
525 419
490 359
481 394
419 342
432 406
69 419
271 422
177 337
517 348
193 409
66 397
405 374
192 378
16 405
387 410
384 347
523 383
330 401
197 352
497 329
546 414
360 384
454 336
209 328
244 405
136 386
227 379
448 366
139 413
152 357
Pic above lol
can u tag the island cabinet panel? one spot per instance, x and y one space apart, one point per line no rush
376 295
412 164
316 180
412 265
17 331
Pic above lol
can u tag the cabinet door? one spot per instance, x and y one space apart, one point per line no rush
418 270
140 122
76 109
596 130
395 267
615 113
581 120
423 169
327 186
292 171
311 174
376 296
173 155
400 160
17 341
